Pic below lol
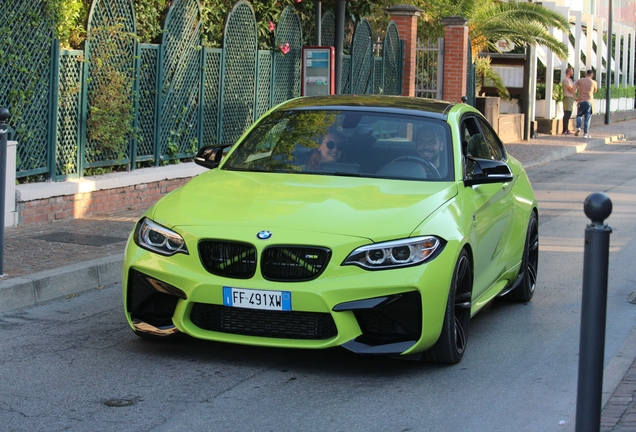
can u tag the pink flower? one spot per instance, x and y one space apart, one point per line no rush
298 1
284 48
271 26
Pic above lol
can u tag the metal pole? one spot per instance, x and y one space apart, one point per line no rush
527 93
340 21
597 207
4 117
318 11
608 69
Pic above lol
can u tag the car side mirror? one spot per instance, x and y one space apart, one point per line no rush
488 171
210 156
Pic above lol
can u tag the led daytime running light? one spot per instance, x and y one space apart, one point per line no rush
398 253
160 239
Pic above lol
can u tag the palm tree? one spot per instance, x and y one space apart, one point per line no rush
517 22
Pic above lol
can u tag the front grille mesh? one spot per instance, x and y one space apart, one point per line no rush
274 324
293 263
229 259
278 263
374 321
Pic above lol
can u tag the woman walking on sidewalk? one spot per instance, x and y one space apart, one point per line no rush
568 100
586 88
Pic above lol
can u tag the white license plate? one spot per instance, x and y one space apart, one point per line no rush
257 299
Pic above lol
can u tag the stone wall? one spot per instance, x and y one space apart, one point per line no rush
93 203
73 199
511 128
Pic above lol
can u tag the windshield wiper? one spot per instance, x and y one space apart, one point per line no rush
245 169
333 173
345 174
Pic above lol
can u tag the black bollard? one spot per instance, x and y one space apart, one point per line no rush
597 207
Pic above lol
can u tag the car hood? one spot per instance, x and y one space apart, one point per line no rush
376 209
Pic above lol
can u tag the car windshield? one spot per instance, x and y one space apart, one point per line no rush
347 143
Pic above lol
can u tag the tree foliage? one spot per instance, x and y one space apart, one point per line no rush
68 16
71 18
492 20
492 78
518 22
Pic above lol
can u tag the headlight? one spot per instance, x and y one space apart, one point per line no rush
398 253
157 238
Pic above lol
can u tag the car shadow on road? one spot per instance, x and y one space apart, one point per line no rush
333 361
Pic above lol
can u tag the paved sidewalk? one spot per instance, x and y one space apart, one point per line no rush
63 258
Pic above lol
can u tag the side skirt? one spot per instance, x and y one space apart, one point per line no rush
516 283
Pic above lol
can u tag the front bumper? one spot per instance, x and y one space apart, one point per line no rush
397 311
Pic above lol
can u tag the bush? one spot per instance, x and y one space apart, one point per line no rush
616 92
557 92
110 120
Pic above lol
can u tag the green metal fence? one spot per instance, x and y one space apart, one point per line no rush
183 96
148 102
362 59
106 19
328 29
180 77
392 61
212 58
240 56
68 114
286 80
26 73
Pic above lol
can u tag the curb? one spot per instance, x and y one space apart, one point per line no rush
613 373
579 148
50 285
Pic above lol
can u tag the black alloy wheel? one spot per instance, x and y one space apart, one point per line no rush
451 345
529 263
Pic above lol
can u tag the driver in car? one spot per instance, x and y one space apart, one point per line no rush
429 145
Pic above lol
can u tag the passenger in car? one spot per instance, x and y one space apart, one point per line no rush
329 150
429 145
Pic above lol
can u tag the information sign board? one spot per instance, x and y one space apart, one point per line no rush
318 77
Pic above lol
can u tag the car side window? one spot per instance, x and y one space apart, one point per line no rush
475 142
495 148
470 134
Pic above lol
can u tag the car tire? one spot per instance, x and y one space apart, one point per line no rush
529 263
451 345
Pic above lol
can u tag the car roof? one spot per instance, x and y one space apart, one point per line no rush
376 103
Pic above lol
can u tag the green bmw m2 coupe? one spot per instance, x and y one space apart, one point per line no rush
379 224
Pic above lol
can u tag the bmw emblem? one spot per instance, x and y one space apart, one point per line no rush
264 235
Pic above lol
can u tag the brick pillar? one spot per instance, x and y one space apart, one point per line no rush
455 58
405 17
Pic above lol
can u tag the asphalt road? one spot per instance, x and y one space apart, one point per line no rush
63 365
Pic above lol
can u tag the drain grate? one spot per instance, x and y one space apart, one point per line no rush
81 239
